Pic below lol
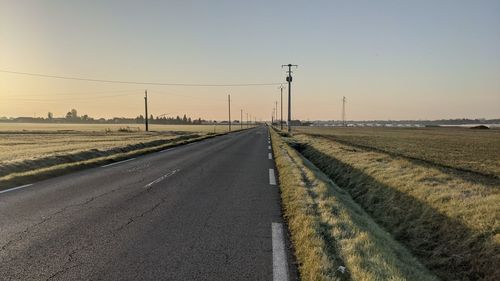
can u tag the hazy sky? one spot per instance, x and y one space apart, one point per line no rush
391 59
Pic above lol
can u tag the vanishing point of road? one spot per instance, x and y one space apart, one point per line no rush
205 211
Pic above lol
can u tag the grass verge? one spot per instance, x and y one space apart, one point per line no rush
74 162
333 237
449 222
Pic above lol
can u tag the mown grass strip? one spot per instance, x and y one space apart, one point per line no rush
333 237
75 164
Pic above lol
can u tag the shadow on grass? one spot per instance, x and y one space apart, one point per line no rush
471 176
52 160
443 244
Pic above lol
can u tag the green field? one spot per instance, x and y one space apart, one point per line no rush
435 190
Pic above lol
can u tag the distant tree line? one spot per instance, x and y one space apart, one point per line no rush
73 117
170 120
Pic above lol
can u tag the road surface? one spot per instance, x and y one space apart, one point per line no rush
205 211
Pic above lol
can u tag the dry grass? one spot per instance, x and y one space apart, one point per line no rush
459 148
53 127
449 220
36 151
330 230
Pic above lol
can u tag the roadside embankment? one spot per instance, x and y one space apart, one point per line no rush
20 173
449 221
333 237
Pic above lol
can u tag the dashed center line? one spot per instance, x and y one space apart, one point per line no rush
268 147
161 178
272 178
270 155
280 264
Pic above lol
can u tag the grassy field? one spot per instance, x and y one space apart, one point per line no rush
28 150
9 127
460 148
449 219
334 239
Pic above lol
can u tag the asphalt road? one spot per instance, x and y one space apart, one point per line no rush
205 211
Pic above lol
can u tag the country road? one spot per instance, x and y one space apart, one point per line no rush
205 211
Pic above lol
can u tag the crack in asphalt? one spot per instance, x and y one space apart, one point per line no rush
133 218
20 235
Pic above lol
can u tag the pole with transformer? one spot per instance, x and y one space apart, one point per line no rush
289 80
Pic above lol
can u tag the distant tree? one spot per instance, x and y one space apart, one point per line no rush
151 117
85 117
184 119
74 113
50 115
189 120
69 115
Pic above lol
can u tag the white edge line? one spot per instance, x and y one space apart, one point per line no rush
280 264
15 188
272 178
116 163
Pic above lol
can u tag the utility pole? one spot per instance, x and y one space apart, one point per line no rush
146 109
247 120
343 112
281 119
276 113
289 80
241 118
272 118
229 103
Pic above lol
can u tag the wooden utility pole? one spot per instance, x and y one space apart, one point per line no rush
229 103
289 80
241 119
343 112
146 109
281 119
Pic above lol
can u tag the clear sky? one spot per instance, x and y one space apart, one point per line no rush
391 59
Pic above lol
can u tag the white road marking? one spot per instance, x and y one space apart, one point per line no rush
272 178
168 149
161 178
268 147
116 163
15 188
270 155
280 264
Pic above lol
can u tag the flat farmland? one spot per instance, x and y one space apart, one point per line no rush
459 148
435 190
19 142
31 152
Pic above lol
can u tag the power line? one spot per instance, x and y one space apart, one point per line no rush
138 82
